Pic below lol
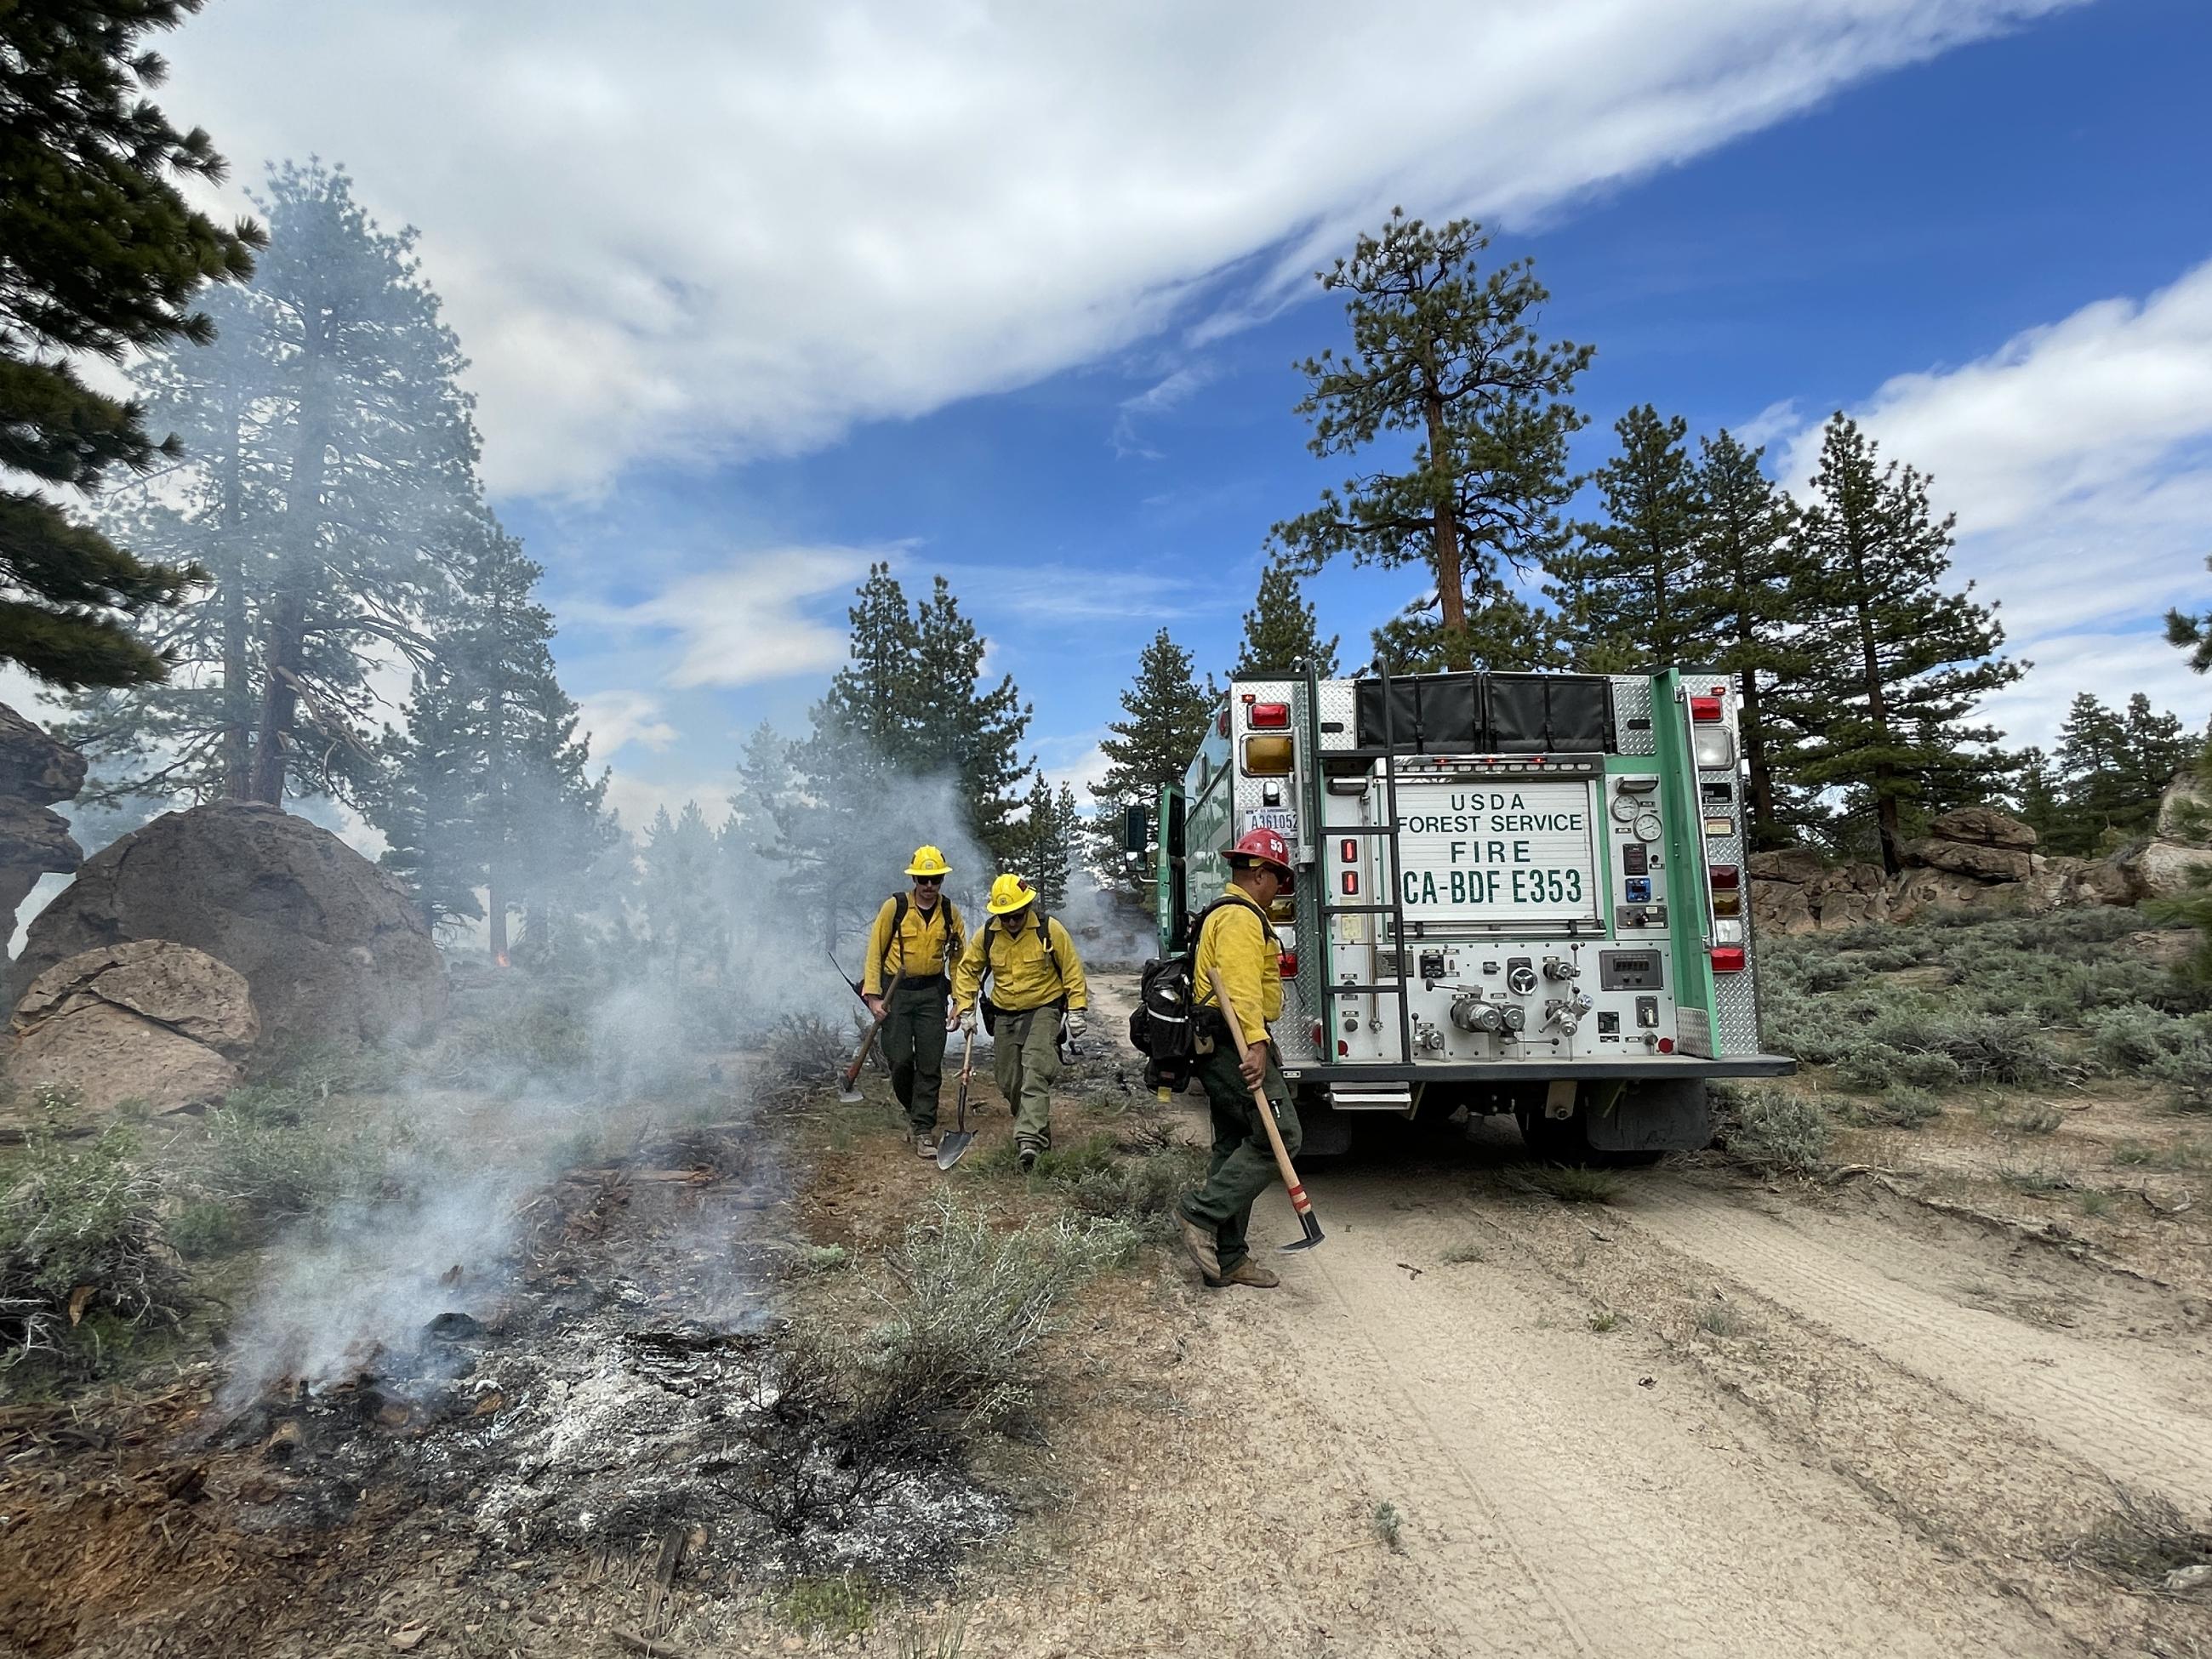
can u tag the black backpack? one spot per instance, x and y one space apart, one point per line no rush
1164 1026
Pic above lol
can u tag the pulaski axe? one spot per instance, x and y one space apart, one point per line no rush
1299 1202
951 1148
847 1089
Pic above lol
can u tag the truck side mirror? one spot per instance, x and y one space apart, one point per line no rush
1136 829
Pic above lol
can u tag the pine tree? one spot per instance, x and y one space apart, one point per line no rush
677 861
959 727
1043 857
1164 716
102 255
1747 564
426 802
1630 595
337 476
1899 665
2113 770
2192 633
1451 357
872 695
1280 634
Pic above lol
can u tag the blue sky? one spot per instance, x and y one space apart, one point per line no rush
1016 299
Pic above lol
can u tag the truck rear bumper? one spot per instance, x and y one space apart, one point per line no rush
1635 1069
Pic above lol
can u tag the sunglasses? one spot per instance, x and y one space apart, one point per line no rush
929 881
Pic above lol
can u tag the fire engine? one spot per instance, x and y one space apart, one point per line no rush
1515 892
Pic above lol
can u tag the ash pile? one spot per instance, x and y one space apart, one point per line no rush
617 1383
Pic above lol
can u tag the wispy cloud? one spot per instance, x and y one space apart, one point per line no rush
2078 459
1059 593
614 719
745 623
1167 393
883 249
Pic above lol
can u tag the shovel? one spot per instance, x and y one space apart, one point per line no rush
951 1148
1300 1204
846 1089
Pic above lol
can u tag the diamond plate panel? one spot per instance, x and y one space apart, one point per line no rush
1693 1033
1293 1032
1632 701
1340 701
1735 998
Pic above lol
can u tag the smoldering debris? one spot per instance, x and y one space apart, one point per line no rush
593 1404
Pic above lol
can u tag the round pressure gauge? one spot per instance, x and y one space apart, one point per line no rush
1647 826
1625 807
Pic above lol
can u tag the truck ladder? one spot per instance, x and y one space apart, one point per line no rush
1387 831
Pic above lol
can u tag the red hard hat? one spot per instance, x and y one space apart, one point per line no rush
1269 848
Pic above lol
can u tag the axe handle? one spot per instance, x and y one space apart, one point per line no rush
853 1071
1291 1184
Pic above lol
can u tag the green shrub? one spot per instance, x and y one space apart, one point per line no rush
80 1235
1769 1130
270 1171
832 1609
1874 1068
1571 1183
1901 1106
976 1303
205 1227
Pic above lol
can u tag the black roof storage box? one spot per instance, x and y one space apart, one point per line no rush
1548 713
1429 713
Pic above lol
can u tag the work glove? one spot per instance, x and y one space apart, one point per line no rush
1076 1025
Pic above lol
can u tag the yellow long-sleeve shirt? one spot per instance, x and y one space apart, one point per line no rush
1025 974
1239 944
926 940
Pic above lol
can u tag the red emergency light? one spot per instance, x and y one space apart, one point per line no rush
1705 710
1728 959
1286 964
1348 849
1275 714
1727 877
1349 881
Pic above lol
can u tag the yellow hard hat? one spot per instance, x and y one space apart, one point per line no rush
928 861
1008 894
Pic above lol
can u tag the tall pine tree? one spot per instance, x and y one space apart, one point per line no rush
1629 594
960 726
1898 666
2113 767
1452 358
339 478
99 255
1164 716
1280 634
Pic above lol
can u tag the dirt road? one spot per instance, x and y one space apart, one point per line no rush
1702 1420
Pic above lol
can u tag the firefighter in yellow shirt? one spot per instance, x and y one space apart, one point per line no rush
917 938
1036 979
1236 940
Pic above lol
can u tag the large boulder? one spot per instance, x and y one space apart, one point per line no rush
2185 810
2103 882
35 771
1781 907
331 946
1913 893
150 1021
1980 859
2163 869
1983 826
1843 908
1794 865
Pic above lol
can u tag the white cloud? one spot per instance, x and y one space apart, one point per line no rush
2078 459
744 624
635 799
1088 767
614 719
1167 393
678 232
1069 593
1781 419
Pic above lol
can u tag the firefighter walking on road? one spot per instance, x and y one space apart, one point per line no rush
1036 996
917 939
1237 941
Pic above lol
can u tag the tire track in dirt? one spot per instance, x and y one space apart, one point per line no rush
2094 1401
1553 1505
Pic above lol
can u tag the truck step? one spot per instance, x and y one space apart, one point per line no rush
1373 1098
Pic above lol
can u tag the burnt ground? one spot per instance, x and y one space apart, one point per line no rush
1929 1406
